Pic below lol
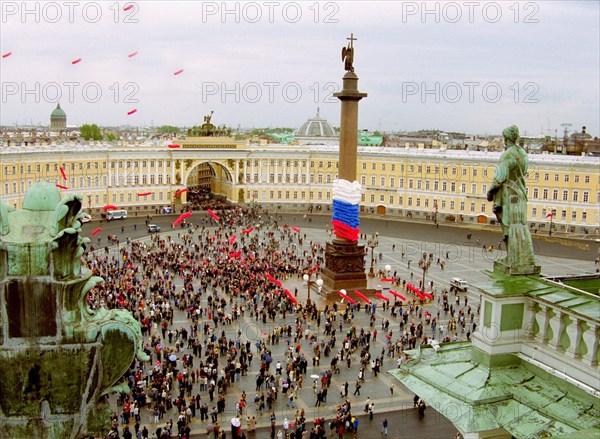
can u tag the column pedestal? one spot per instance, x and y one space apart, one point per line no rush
344 267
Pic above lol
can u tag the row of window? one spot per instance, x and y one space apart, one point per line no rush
586 178
411 202
585 197
563 214
80 166
416 184
412 183
429 169
89 182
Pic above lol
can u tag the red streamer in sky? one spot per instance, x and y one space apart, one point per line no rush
98 230
76 61
64 174
129 113
178 72
7 54
60 186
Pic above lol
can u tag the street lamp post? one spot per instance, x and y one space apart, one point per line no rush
307 279
424 265
387 269
372 243
552 213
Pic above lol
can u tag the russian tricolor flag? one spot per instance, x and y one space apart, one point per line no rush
346 199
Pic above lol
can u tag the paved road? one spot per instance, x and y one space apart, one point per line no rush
400 230
404 424
464 261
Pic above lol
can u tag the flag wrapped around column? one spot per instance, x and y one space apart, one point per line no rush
346 197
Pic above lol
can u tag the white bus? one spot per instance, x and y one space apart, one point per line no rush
115 214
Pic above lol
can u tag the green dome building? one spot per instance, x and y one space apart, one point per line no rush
58 119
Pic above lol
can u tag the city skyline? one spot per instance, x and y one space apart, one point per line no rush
453 66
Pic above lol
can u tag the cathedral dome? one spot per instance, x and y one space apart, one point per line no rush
58 112
58 119
316 130
316 127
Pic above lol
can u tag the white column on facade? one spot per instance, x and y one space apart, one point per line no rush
268 171
156 173
244 179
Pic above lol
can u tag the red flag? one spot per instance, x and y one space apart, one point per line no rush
214 215
551 214
349 299
362 296
398 295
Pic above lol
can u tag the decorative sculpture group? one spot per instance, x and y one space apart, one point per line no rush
58 357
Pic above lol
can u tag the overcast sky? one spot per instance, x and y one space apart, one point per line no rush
474 67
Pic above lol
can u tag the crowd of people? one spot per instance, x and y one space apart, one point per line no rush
219 273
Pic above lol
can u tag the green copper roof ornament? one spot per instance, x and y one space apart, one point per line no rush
58 357
509 194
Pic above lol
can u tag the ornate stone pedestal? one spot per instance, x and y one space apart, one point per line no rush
344 267
514 270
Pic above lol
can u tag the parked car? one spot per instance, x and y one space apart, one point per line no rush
86 218
459 284
153 228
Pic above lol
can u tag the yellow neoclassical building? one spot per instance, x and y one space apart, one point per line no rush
449 185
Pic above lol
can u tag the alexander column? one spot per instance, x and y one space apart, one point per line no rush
344 258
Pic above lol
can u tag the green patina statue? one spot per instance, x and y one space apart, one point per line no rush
509 195
58 357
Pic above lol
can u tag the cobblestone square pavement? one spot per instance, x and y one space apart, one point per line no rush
389 398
